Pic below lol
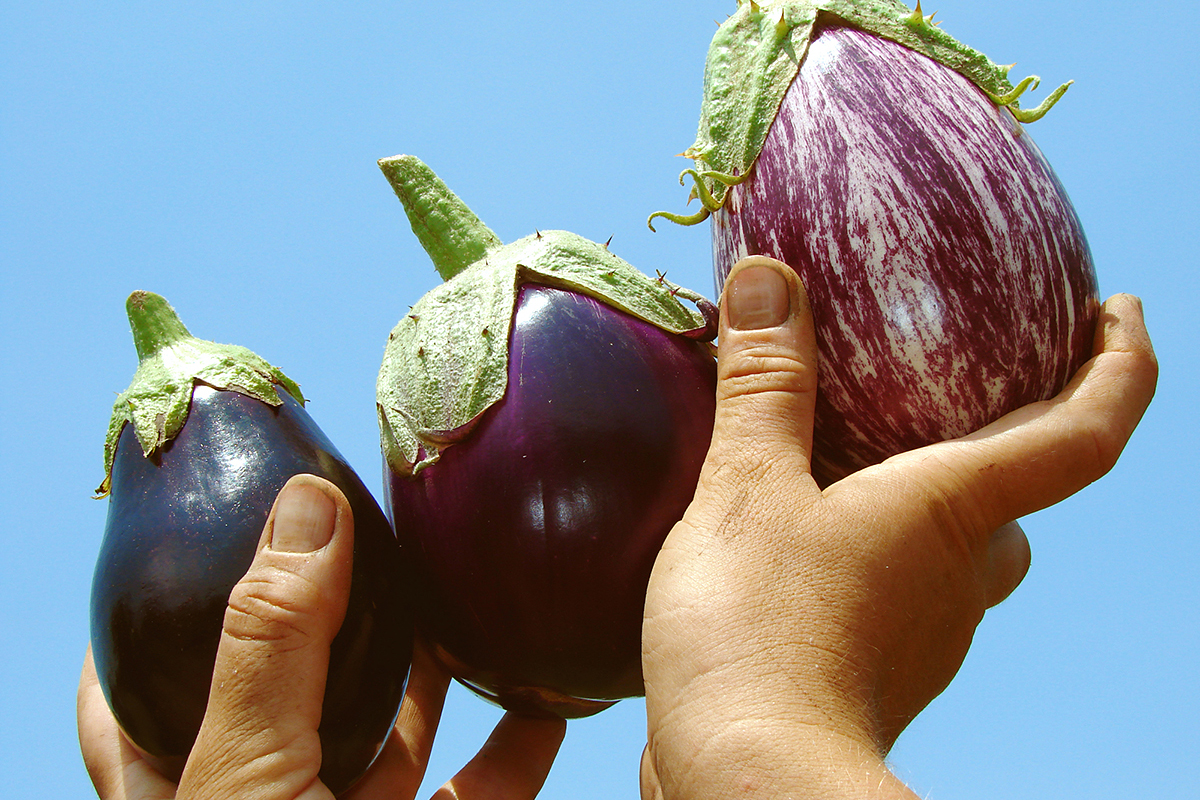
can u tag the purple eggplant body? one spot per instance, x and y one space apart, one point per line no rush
534 537
183 528
949 275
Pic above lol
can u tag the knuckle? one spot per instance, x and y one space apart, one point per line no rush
949 502
1109 418
1103 444
761 369
275 607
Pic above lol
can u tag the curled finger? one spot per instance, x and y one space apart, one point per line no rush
512 765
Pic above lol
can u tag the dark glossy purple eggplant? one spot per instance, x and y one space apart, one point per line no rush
534 518
949 275
183 523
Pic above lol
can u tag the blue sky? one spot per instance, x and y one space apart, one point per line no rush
223 155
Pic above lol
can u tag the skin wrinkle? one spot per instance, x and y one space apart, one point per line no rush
887 571
869 696
273 608
230 767
730 526
964 533
247 734
749 393
759 657
737 740
752 472
709 662
761 359
936 477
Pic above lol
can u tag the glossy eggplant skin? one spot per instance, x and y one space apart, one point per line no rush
534 538
183 528
949 275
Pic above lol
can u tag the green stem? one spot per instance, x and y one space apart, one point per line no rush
1034 114
700 190
449 231
1008 99
155 324
679 219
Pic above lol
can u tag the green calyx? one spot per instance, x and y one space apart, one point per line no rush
170 363
446 361
756 54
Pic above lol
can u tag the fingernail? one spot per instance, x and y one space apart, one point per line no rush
304 519
758 298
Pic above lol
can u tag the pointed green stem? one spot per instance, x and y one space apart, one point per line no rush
1034 114
754 58
170 363
449 231
155 324
1009 98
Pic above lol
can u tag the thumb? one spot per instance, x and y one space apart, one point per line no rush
766 367
260 729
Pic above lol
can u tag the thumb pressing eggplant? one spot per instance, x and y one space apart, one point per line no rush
544 414
198 447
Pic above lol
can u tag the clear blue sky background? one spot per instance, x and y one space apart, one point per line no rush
223 155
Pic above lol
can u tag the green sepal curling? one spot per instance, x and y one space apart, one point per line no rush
446 361
756 54
171 361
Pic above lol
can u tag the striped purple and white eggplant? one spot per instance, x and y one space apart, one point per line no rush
949 275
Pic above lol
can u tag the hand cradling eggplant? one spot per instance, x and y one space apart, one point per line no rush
198 448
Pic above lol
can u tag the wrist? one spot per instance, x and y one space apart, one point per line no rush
757 758
761 740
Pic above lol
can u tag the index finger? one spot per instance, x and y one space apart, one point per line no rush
1044 452
512 764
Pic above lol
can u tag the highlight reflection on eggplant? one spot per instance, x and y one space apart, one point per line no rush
188 499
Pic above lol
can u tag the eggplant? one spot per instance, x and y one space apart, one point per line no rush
198 448
949 275
544 414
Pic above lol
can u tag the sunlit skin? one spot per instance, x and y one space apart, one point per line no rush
790 633
259 737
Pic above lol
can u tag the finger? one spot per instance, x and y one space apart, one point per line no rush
512 764
766 366
1044 452
117 769
400 767
260 727
648 777
1008 563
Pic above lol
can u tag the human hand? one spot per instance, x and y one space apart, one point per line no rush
259 735
790 633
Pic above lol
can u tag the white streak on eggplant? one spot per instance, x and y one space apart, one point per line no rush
753 60
949 275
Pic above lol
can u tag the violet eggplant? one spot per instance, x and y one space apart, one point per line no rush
949 275
198 448
544 415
